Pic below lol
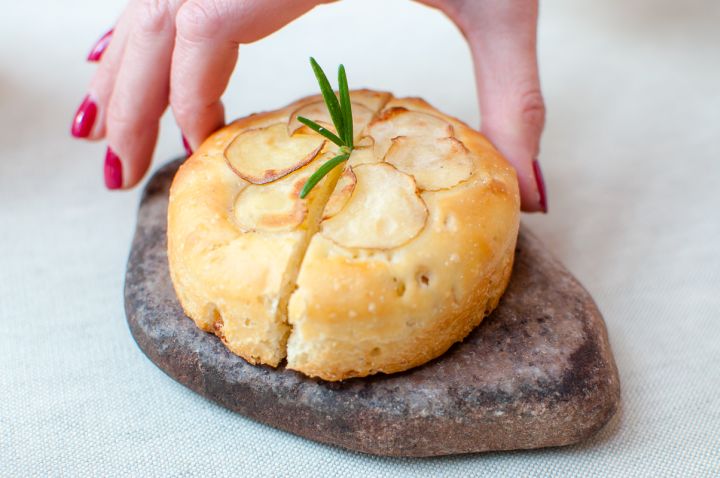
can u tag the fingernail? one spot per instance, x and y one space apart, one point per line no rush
113 170
186 145
97 51
84 118
540 185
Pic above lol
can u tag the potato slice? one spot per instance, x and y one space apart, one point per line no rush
264 155
363 156
271 208
383 212
319 113
364 152
400 121
434 163
343 190
365 142
276 207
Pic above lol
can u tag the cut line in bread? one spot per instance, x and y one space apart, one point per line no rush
319 197
341 194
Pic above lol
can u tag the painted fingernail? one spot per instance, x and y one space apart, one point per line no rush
97 51
186 145
113 170
540 185
84 118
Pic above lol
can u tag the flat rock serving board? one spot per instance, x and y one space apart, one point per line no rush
537 372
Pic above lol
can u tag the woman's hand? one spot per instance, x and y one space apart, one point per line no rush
182 53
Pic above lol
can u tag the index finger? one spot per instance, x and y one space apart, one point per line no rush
209 33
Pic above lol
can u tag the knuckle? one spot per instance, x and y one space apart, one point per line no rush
183 111
121 120
532 108
199 20
179 102
180 109
117 119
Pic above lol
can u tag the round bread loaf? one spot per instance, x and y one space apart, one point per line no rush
392 257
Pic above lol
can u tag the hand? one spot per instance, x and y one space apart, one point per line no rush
182 53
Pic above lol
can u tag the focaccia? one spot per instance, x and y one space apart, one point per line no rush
391 258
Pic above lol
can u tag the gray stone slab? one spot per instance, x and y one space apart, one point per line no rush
538 372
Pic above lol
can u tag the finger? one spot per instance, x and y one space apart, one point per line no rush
511 104
140 93
503 39
89 120
206 48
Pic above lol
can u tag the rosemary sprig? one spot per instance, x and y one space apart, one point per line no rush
345 106
341 115
321 172
320 130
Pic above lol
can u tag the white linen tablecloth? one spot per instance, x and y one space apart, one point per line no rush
631 156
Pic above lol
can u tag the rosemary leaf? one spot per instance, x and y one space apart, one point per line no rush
321 172
320 130
345 106
329 96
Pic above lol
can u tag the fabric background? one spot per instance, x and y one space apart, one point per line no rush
632 160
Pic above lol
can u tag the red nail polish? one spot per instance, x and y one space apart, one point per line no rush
97 51
540 185
186 145
84 118
113 170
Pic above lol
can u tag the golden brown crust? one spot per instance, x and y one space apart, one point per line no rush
355 311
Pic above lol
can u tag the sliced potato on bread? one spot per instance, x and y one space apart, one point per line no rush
259 208
384 210
400 121
364 152
264 155
434 163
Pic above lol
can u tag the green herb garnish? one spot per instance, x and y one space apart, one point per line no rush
341 114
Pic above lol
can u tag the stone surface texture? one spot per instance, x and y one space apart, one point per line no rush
538 372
